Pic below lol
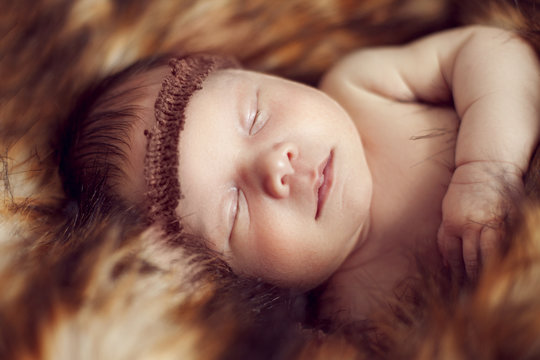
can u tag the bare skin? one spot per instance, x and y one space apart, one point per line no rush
470 98
424 139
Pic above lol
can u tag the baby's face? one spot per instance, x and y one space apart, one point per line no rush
274 176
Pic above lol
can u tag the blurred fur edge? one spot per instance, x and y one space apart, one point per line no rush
79 283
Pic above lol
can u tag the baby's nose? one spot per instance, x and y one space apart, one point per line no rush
275 168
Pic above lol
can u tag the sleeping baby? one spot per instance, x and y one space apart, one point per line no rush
402 152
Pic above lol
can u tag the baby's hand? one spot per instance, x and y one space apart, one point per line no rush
480 199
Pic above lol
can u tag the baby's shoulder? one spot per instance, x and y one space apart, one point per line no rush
343 73
369 73
343 81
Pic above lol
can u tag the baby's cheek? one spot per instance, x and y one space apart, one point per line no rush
288 262
264 255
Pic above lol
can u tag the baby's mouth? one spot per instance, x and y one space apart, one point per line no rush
326 179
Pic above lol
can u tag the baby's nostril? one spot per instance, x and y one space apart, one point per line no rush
290 155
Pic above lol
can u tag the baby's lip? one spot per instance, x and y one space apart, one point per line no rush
324 182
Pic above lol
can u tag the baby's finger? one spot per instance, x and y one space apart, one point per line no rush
452 253
470 253
490 242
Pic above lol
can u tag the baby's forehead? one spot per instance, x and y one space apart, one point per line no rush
145 87
227 79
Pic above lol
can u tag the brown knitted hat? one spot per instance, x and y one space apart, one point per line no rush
161 161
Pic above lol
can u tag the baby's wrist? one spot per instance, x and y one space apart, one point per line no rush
501 175
493 167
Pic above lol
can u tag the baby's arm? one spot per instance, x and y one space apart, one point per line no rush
493 79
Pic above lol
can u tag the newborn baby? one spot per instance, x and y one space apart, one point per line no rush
342 185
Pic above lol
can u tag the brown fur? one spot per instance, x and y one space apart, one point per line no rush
91 283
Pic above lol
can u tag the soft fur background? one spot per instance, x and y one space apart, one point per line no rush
91 283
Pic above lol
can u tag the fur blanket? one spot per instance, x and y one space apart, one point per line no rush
83 283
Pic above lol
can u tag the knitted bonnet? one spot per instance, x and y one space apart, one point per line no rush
162 155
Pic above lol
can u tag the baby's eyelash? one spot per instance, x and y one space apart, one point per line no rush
236 211
253 128
260 119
